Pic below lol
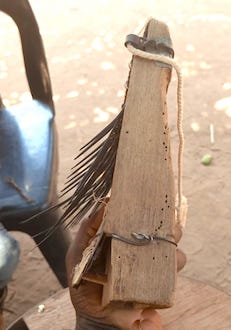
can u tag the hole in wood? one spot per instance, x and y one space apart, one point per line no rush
118 257
162 209
153 258
166 257
126 132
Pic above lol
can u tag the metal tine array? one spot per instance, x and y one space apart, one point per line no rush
91 177
79 168
95 180
99 136
95 183
92 153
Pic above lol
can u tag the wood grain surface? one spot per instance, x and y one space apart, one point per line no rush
143 197
198 306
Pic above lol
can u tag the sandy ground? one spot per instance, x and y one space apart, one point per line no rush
89 65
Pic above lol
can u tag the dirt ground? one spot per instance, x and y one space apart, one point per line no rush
89 66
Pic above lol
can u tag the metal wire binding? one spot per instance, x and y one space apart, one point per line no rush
141 239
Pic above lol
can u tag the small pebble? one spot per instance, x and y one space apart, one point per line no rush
206 159
41 308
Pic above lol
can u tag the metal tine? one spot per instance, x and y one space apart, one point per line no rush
83 188
82 213
96 177
97 149
110 155
103 132
77 199
89 182
94 151
102 155
52 229
99 190
76 178
71 185
102 178
99 136
108 164
76 193
71 213
88 203
81 166
94 206
77 218
77 174
46 210
92 195
77 169
79 193
85 151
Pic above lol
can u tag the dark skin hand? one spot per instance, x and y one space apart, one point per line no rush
86 299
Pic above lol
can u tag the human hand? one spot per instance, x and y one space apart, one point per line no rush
86 299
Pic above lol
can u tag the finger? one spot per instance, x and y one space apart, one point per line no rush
150 325
150 320
181 259
177 232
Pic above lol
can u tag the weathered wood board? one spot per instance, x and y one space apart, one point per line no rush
198 306
143 197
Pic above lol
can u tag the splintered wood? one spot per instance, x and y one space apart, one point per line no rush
142 196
